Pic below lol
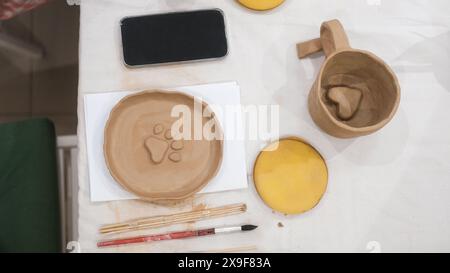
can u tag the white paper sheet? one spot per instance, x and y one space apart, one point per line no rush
232 175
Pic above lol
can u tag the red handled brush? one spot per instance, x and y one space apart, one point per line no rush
174 235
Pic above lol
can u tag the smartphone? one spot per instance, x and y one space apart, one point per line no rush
174 37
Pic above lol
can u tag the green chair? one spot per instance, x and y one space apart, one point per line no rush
29 196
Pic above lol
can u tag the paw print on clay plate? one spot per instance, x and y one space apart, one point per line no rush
161 145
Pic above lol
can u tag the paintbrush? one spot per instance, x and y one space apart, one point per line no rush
175 235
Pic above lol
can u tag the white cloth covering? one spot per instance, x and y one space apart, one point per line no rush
388 191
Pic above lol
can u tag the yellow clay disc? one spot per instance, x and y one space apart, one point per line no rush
292 177
261 4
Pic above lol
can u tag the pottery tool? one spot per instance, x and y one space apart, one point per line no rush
172 219
261 4
290 176
175 235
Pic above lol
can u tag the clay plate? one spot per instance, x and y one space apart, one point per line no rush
142 155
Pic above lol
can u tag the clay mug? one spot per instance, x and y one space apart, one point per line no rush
355 93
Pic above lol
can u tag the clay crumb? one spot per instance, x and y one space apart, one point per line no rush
198 207
280 225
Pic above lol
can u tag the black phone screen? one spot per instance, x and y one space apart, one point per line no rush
174 37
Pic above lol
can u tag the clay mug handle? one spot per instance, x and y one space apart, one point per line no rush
332 38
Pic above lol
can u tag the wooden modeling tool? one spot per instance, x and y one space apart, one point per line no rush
261 4
172 219
175 235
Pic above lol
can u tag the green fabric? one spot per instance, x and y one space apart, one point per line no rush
29 200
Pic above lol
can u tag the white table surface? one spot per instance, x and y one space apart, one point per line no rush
387 192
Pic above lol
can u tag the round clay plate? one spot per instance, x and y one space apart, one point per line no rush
290 176
141 152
